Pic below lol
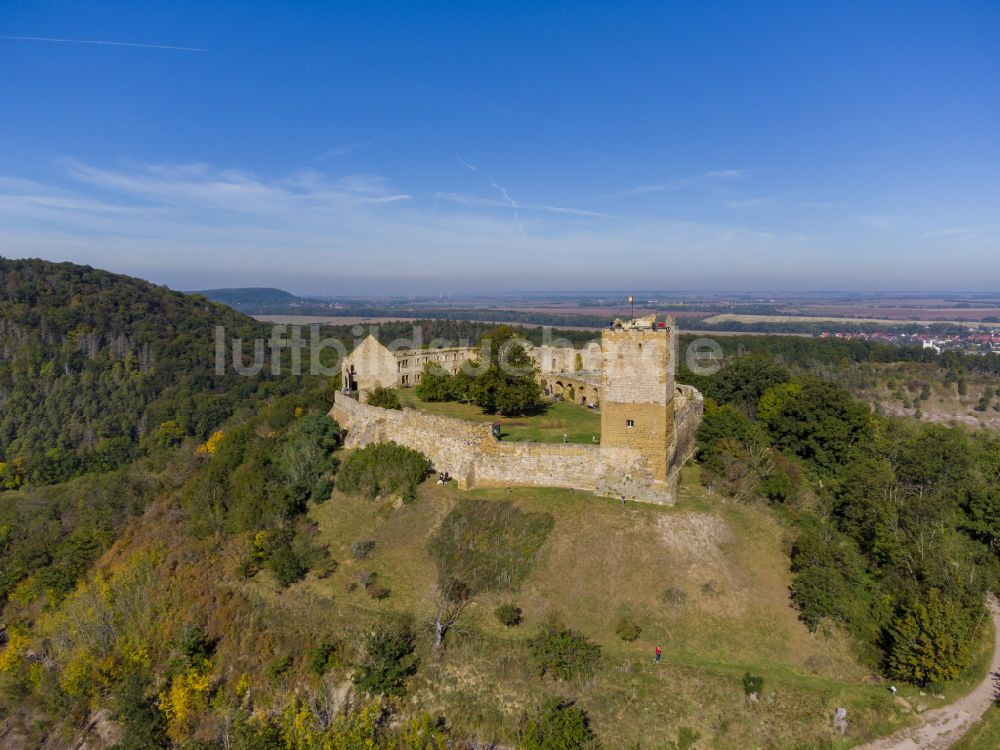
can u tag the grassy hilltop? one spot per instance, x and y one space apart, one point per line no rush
706 582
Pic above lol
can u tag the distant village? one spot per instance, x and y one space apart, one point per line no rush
974 341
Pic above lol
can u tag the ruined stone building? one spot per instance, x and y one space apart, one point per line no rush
648 421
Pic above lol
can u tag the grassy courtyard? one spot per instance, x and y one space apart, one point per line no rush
578 423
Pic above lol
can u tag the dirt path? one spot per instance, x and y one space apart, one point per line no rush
943 727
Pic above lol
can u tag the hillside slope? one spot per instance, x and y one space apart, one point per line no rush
91 362
707 582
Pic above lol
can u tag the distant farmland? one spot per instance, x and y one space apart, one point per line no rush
735 318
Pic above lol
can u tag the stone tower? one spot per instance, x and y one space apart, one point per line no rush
637 390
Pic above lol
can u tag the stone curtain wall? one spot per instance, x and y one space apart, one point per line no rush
564 358
450 444
472 456
689 407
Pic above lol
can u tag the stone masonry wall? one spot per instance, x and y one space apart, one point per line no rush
450 444
651 432
472 456
637 391
565 358
636 366
689 406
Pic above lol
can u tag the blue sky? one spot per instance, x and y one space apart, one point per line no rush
394 147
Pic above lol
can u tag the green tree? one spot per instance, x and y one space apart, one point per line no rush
435 384
143 726
929 640
508 385
388 660
743 381
822 424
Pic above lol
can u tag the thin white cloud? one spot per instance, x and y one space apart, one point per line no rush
643 189
711 179
174 223
760 200
952 232
727 174
986 236
103 43
472 200
879 222
349 148
235 190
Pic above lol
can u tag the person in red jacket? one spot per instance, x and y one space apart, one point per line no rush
656 659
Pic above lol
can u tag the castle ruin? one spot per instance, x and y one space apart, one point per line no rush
648 421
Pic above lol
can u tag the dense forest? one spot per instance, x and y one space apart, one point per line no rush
94 367
896 522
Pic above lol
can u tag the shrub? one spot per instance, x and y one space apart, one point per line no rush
508 615
628 629
366 578
326 567
362 548
321 490
487 544
378 593
383 469
388 660
385 398
559 725
752 684
686 738
143 725
320 657
278 667
193 645
283 563
674 597
563 653
304 457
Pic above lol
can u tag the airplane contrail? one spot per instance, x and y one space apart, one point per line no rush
96 41
503 193
513 204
